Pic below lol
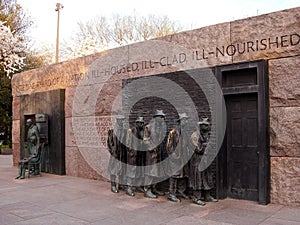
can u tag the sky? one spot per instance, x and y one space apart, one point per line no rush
190 13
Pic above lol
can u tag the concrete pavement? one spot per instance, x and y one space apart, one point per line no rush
52 199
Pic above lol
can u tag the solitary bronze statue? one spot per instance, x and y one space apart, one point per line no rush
33 140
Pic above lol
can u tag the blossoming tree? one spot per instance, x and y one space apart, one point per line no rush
11 51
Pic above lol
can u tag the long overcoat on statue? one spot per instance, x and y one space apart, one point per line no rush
155 140
116 144
178 149
136 153
199 180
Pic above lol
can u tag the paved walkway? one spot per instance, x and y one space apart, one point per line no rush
52 199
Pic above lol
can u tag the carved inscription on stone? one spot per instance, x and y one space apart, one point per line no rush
91 131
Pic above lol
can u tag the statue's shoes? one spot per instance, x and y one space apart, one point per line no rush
173 198
211 199
149 194
199 202
129 192
114 189
21 177
17 177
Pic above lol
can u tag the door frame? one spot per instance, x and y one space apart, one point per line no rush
262 90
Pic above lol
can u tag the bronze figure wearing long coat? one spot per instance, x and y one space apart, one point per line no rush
155 135
177 150
135 156
135 153
116 144
199 180
33 137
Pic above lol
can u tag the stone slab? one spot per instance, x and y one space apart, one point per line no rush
16 131
55 76
70 140
288 213
187 220
54 218
16 147
284 81
26 210
205 42
91 164
285 131
285 181
233 216
273 221
16 107
8 218
69 97
266 36
71 161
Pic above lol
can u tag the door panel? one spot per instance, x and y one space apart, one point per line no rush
242 157
52 104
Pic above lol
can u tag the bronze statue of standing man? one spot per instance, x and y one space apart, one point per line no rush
200 182
116 143
178 148
33 136
155 135
136 152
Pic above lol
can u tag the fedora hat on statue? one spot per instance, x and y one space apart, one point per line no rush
159 113
182 116
140 119
120 117
204 121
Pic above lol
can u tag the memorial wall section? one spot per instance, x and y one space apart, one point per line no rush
254 60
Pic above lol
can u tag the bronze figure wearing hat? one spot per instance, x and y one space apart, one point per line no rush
177 149
116 144
200 182
155 138
136 151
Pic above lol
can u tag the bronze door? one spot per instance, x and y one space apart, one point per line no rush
242 146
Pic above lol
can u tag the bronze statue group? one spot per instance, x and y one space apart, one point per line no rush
145 155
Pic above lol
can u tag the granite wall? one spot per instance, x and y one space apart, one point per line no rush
284 81
92 85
